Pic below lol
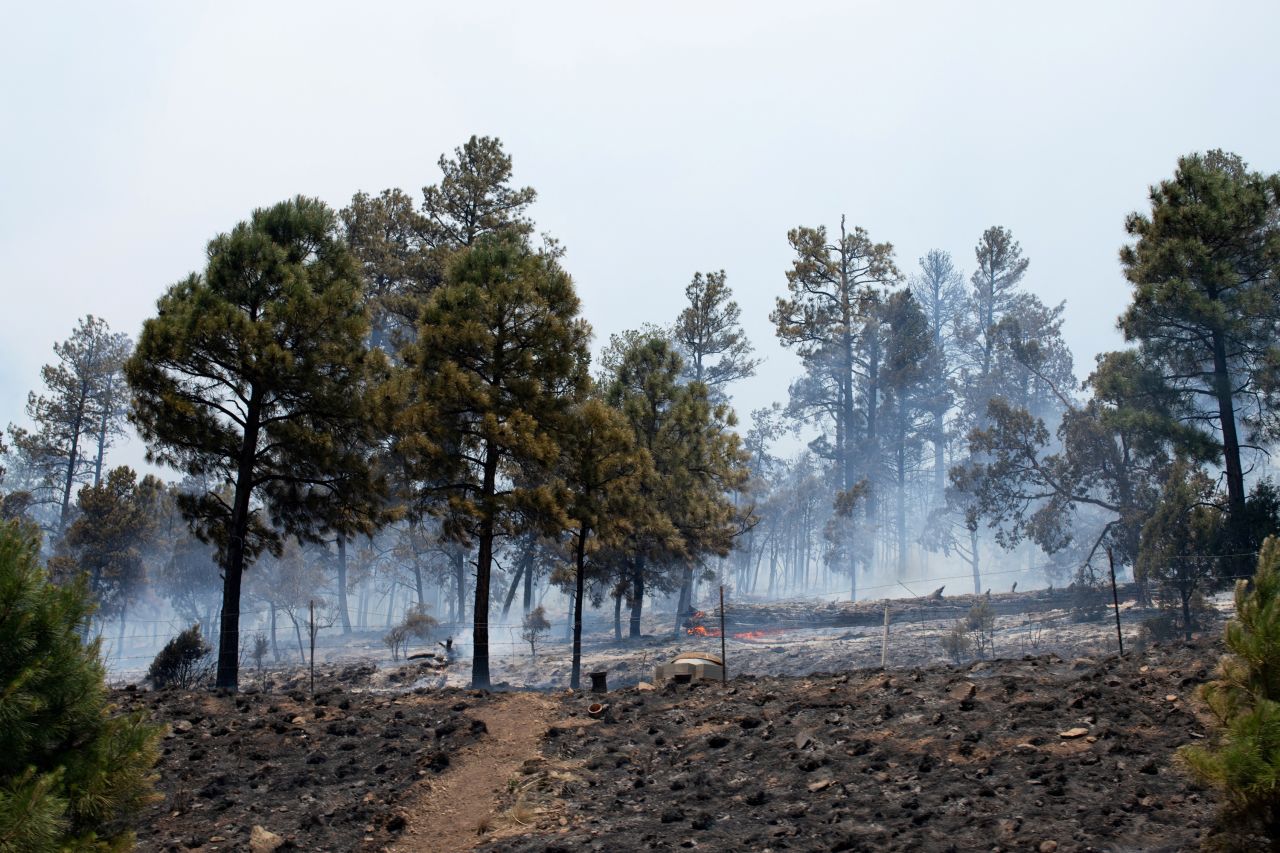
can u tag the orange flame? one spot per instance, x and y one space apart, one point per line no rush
759 635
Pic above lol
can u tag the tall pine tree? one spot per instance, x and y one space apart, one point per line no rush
501 354
255 372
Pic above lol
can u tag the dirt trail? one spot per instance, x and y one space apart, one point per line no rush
448 815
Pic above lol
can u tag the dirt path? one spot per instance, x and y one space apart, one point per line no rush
449 815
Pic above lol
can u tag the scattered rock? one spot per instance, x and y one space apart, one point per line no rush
1070 734
264 841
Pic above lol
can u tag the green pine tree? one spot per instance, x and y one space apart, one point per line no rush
603 471
501 354
256 374
1244 764
1204 305
72 774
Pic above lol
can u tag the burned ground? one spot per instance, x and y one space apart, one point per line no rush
995 755
1006 754
324 773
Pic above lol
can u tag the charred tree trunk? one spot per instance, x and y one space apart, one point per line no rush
275 645
460 583
637 596
617 611
229 623
685 602
484 565
1227 419
975 560
528 586
342 586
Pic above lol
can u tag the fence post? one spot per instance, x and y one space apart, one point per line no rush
724 661
1115 599
311 627
884 643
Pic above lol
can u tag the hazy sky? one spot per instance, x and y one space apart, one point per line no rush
669 139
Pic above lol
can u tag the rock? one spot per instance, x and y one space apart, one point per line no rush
820 785
644 686
1078 731
1048 846
803 739
182 726
264 841
1172 697
964 691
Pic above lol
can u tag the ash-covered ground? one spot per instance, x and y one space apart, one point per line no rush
808 747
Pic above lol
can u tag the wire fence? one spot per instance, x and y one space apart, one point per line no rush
1028 630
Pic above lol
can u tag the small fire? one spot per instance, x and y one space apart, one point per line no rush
700 631
759 635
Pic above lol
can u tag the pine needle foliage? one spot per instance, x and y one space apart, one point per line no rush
1244 762
183 662
72 774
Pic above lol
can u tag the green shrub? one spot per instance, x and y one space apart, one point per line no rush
956 642
72 774
417 624
981 623
184 662
534 626
1243 760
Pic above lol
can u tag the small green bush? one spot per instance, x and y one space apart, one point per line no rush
417 624
184 662
981 623
535 625
72 774
1243 761
956 642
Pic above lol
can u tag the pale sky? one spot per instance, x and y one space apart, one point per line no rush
663 139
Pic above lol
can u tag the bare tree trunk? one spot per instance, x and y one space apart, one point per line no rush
976 561
575 677
511 592
528 586
637 596
275 646
685 601
342 585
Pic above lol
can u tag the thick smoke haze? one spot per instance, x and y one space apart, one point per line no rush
662 142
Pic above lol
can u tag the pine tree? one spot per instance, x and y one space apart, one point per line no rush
939 290
475 198
603 471
1206 302
831 318
110 535
1244 762
388 238
73 775
1179 541
698 465
708 333
76 420
255 373
501 354
911 368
